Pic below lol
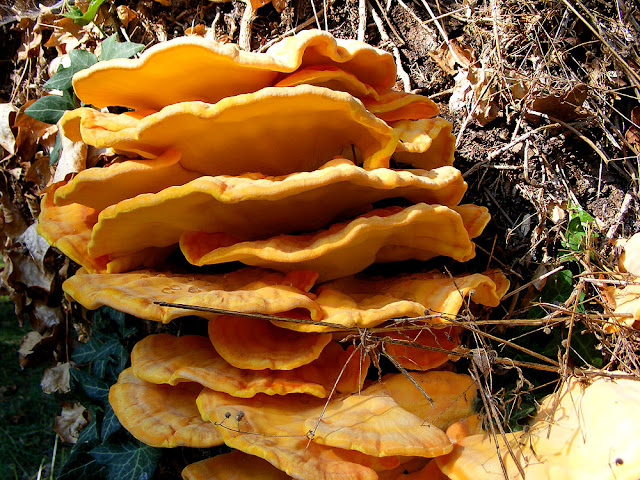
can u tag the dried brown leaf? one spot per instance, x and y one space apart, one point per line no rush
565 107
7 139
56 379
633 133
126 15
73 158
453 56
70 422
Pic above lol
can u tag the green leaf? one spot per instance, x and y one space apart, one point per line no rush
131 460
89 434
112 49
50 109
84 18
80 59
94 349
55 153
110 423
95 388
81 465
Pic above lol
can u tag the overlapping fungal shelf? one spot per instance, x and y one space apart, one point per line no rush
279 161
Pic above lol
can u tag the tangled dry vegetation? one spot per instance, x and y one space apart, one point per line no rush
544 100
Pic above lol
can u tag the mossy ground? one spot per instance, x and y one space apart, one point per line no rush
27 415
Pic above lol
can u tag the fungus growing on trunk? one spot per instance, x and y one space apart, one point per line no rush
245 156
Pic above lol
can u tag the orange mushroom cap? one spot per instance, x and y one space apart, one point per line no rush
161 415
394 105
329 76
165 359
376 426
233 466
68 228
362 302
100 187
300 128
246 290
453 395
255 206
392 234
572 436
255 344
426 143
274 428
413 358
195 69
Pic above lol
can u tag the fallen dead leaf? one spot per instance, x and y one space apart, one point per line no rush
126 15
7 140
39 172
633 133
475 87
70 422
56 379
484 94
31 341
564 107
454 56
73 158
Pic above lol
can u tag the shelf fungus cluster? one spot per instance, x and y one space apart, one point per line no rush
303 164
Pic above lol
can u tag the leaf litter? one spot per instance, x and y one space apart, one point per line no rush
544 101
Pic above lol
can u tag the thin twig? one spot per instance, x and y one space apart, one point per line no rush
406 80
262 316
244 39
618 220
362 19
295 30
537 279
573 129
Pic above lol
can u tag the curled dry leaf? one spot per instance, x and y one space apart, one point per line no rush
73 158
453 56
565 107
7 139
56 379
70 422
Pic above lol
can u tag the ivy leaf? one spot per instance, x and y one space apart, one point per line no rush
95 388
80 465
55 153
84 18
89 434
113 49
50 109
80 59
110 423
131 460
